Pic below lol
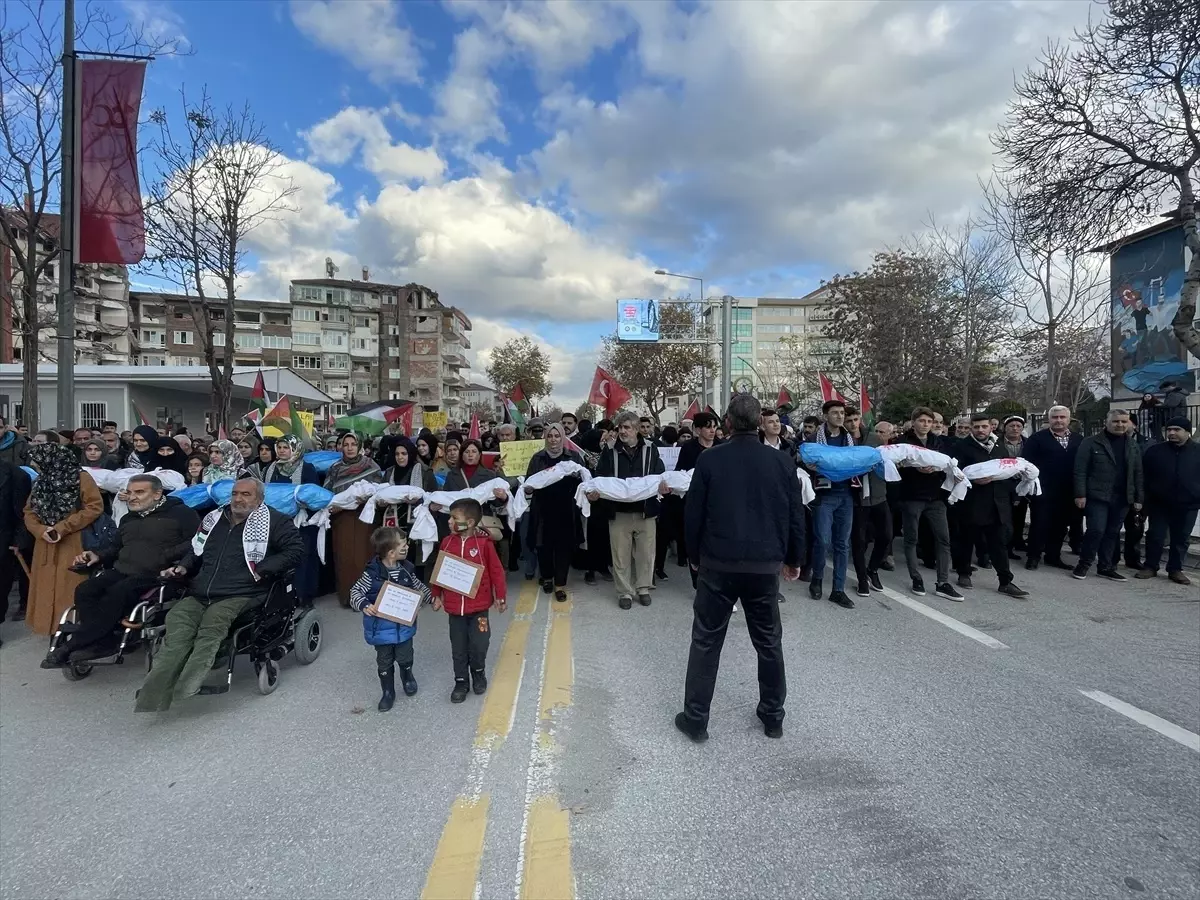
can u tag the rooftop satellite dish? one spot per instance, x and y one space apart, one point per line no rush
330 268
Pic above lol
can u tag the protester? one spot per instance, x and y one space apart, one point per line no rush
170 456
1135 519
1013 445
1108 480
570 425
808 428
196 465
154 535
669 524
1053 450
470 628
833 511
772 433
350 538
922 498
393 642
596 559
145 443
14 448
744 521
872 526
555 529
290 467
117 451
631 533
1172 479
232 561
408 469
16 544
264 456
96 456
248 452
63 501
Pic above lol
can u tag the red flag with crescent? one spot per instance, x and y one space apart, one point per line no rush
607 392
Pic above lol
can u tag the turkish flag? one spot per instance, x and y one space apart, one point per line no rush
828 391
474 433
607 392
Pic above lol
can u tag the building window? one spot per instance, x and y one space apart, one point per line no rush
218 339
304 315
333 296
394 374
247 341
154 337
306 339
306 362
741 347
276 342
183 337
92 414
333 339
336 362
746 331
310 293
743 315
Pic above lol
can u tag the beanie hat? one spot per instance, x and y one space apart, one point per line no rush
1179 422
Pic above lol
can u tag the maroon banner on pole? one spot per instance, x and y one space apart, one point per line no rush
112 228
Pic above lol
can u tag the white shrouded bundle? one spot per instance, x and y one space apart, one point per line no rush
390 495
923 458
115 481
622 490
1003 469
538 480
351 498
483 493
807 494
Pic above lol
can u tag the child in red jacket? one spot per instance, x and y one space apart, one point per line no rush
469 629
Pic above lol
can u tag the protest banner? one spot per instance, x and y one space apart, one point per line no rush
515 455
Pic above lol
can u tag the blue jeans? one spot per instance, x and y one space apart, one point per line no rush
833 520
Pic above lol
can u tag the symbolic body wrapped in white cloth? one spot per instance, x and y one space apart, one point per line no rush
538 480
482 493
389 495
1003 469
911 455
351 498
623 490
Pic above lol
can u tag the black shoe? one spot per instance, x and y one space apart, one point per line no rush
660 574
589 578
407 680
964 581
805 573
1012 590
1031 564
772 729
699 736
840 598
56 658
1111 574
547 586
625 602
918 587
946 591
779 598
459 694
560 596
873 580
644 599
1080 571
1058 564
100 650
864 589
387 681
478 681
815 590
887 565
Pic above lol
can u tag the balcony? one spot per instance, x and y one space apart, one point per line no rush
455 358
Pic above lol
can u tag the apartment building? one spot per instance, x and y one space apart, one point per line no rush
102 314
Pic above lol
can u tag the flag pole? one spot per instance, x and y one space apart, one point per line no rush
67 213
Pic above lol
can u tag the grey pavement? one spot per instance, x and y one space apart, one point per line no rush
915 762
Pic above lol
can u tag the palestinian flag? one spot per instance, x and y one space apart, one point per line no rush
258 396
512 413
475 433
141 415
374 418
784 399
517 393
285 417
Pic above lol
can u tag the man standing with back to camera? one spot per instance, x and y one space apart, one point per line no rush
744 520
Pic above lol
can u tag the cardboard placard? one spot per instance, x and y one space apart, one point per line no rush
515 456
669 456
435 420
453 573
397 603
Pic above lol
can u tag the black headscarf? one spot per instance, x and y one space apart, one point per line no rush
398 474
176 461
55 493
147 460
431 442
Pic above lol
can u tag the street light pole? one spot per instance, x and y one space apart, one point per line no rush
66 231
704 367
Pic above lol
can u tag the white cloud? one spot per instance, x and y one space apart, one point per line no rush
365 32
336 139
571 369
158 25
468 100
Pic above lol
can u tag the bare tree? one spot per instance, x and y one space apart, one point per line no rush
221 178
1106 130
31 43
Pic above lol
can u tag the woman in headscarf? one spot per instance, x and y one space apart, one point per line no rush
289 467
408 470
427 445
449 457
96 456
171 456
555 527
265 457
489 443
350 539
145 449
248 455
196 464
64 501
225 462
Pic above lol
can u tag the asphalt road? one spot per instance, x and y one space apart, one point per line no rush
923 757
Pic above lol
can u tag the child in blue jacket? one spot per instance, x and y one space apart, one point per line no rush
391 640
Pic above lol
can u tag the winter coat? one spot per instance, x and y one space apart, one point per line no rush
14 494
985 504
148 544
554 519
377 630
1096 470
14 448
477 549
1172 475
622 462
1056 464
221 572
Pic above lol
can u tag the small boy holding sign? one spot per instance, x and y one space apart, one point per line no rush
388 594
467 581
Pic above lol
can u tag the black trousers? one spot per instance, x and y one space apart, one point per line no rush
716 592
1051 517
1135 530
872 525
992 537
1171 526
599 551
469 639
1103 533
1019 511
102 600
669 529
554 563
10 571
387 655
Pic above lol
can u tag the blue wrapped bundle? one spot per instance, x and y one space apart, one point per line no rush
842 463
285 498
322 459
195 495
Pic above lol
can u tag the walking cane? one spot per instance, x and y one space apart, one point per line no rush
21 560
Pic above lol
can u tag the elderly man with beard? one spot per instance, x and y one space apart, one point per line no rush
232 560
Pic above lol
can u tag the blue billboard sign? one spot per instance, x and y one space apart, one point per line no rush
637 320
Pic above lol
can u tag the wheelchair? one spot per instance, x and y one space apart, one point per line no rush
138 628
266 633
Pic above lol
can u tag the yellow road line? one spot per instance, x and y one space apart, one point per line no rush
548 874
455 868
560 669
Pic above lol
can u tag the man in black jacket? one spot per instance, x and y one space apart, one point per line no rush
1172 477
1108 480
1052 514
986 510
922 497
232 566
744 520
154 534
14 537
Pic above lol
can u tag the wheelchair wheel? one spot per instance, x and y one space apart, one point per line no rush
268 676
76 671
308 636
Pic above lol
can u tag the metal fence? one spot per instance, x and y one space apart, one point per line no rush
1150 422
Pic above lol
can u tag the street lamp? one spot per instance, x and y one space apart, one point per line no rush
689 277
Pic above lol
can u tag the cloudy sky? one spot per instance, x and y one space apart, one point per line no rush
533 162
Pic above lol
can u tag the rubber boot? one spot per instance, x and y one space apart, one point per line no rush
387 681
407 680
478 681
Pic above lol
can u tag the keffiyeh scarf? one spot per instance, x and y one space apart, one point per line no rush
822 435
255 534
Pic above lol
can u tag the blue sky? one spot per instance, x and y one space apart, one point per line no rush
533 162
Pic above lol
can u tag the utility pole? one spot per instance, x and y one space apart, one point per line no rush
66 231
724 394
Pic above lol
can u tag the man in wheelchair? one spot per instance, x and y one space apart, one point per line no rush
156 533
233 558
